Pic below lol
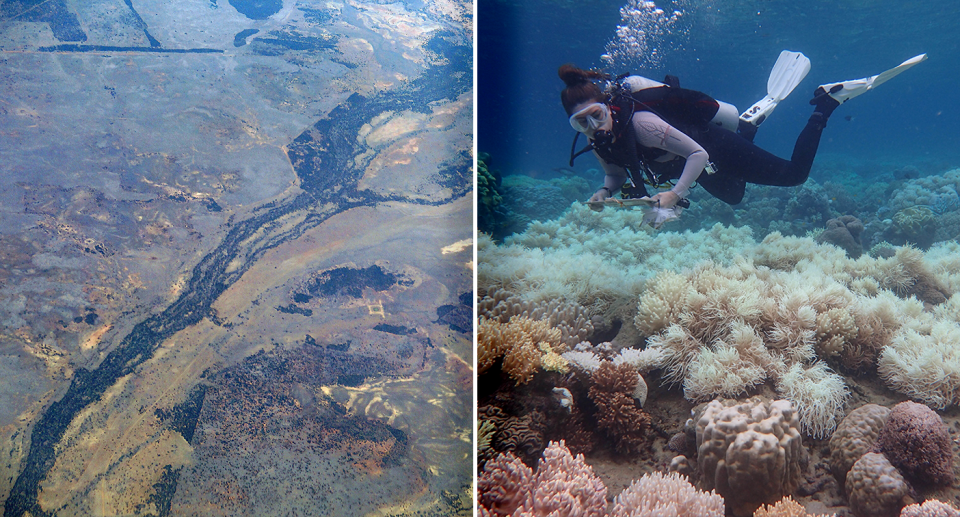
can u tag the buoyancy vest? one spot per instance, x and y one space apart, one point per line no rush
690 111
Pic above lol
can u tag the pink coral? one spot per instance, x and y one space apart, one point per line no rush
916 441
930 508
563 486
504 484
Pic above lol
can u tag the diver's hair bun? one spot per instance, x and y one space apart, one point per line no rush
572 75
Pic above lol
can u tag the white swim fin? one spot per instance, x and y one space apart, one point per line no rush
846 90
788 71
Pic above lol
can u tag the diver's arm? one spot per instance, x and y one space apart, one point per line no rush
613 179
652 131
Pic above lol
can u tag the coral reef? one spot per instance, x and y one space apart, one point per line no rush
855 436
563 485
930 508
489 218
916 441
924 364
750 452
666 495
521 342
570 318
844 232
785 507
875 488
617 413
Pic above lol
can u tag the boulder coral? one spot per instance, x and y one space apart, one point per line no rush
915 440
749 452
844 232
855 437
875 488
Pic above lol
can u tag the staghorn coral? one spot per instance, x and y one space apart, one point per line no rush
750 452
854 437
930 508
875 488
666 495
785 507
611 390
915 440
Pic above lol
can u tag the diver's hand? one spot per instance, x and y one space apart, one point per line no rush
665 199
599 197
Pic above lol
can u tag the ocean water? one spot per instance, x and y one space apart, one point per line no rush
727 49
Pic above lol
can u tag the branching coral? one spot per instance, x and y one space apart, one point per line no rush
611 390
785 507
930 508
504 484
563 486
670 495
521 342
570 318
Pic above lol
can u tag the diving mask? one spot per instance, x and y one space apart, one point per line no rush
591 118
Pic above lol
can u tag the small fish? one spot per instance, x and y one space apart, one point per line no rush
565 171
848 118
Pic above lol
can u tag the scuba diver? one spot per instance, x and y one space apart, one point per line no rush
644 131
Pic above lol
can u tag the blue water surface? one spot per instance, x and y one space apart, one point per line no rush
727 49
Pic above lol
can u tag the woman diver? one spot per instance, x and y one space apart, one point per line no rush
643 130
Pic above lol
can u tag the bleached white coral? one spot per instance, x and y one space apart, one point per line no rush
642 360
924 366
819 395
720 371
582 360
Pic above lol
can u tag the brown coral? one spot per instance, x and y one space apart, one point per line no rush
875 488
617 413
855 436
844 232
750 452
916 441
521 342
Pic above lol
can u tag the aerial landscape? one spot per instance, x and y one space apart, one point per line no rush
236 258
